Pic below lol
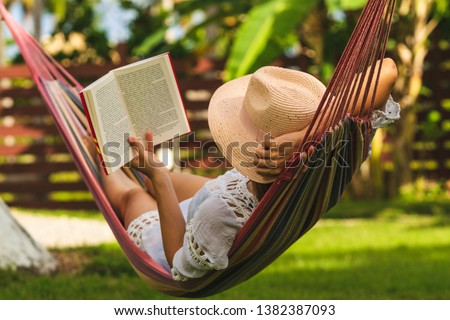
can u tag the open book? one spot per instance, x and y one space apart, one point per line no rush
130 100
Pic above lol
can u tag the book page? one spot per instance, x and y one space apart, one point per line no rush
150 92
113 124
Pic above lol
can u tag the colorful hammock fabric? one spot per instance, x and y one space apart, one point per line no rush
295 201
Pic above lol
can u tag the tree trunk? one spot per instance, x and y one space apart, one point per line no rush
412 31
415 26
37 18
18 250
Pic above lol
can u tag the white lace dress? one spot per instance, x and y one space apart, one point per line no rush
213 218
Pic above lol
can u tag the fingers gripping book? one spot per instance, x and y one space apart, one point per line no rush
130 100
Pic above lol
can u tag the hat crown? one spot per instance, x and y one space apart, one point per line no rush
272 100
279 101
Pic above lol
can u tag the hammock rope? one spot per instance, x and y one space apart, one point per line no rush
295 201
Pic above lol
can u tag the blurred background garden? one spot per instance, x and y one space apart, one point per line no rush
388 238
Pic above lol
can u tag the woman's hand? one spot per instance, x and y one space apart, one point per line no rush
272 155
147 162
171 218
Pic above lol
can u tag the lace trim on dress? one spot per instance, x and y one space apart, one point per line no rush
177 276
232 187
196 253
139 224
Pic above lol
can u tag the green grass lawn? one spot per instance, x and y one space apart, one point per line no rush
362 251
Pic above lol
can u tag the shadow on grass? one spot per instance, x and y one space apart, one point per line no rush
400 273
100 272
389 209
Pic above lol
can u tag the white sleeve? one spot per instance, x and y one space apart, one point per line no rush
390 114
207 241
382 118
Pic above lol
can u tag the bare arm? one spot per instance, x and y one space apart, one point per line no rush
388 76
172 222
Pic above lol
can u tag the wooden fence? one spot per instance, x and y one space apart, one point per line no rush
432 147
35 169
37 172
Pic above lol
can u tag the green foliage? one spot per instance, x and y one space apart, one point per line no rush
268 28
76 15
150 43
424 190
86 214
257 31
334 5
79 16
431 126
147 30
442 8
151 27
367 250
58 7
263 35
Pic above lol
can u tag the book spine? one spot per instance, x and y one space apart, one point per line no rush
91 126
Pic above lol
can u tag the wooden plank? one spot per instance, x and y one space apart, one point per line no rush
200 144
201 66
37 167
31 131
206 163
15 71
88 70
199 124
427 155
37 149
41 187
20 92
196 105
25 111
47 204
199 84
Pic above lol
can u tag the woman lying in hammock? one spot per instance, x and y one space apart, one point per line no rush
188 223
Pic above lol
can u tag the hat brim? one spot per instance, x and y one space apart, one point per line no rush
231 135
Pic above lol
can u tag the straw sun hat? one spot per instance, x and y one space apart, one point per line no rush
272 100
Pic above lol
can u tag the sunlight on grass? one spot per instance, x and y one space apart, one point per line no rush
389 255
365 258
82 214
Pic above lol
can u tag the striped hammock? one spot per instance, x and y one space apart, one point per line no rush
295 201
